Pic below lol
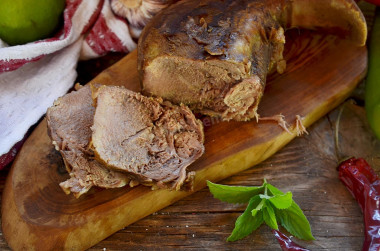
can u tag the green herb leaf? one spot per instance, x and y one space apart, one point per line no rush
273 190
266 204
234 194
246 223
269 216
282 201
259 207
293 220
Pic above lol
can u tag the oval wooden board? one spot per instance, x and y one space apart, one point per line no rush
37 215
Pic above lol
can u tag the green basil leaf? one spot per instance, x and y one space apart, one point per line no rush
259 207
274 190
282 201
293 220
233 194
246 223
269 216
266 204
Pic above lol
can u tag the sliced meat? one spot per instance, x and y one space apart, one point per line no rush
152 140
86 173
69 121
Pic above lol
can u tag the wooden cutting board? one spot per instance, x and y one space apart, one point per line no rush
37 215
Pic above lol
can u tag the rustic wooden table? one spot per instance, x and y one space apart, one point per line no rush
306 166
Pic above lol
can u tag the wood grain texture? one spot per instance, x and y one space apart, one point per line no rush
322 71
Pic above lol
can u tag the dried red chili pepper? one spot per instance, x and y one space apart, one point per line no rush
286 243
364 185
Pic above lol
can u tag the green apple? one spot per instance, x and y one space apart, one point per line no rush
23 21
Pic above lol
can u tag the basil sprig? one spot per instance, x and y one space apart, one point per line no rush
266 204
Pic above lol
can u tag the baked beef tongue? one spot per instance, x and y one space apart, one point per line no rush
214 56
147 138
69 121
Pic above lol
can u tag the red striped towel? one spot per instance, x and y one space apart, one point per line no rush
33 75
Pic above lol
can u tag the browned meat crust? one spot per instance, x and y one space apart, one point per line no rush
212 55
215 55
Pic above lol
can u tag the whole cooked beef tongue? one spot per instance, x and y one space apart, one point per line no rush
214 56
69 121
152 140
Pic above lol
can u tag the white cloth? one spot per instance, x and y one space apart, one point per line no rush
33 75
25 96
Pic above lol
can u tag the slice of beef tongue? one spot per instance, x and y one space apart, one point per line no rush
152 140
86 172
69 121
